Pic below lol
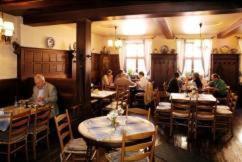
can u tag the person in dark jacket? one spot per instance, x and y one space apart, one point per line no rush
173 86
196 79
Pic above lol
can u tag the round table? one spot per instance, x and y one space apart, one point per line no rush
99 129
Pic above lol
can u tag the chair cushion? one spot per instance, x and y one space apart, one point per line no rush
223 111
205 116
76 145
113 105
115 156
180 114
163 108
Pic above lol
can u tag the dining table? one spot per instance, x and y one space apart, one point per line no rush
15 110
199 97
99 131
101 94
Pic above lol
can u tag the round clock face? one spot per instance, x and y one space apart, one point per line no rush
50 42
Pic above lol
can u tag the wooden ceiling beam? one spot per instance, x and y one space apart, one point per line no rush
230 30
164 9
166 29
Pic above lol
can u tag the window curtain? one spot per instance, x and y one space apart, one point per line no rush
180 43
147 52
206 55
122 53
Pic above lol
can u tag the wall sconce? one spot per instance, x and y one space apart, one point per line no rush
6 29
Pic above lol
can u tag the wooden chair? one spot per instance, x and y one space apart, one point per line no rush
162 112
15 138
205 116
39 130
70 147
225 113
121 99
181 114
137 151
138 112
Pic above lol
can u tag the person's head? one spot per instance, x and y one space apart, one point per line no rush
120 72
215 76
39 80
196 76
176 75
141 74
109 72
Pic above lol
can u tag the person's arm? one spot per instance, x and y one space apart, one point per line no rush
52 95
105 80
131 83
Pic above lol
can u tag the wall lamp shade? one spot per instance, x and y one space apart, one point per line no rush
1 24
8 28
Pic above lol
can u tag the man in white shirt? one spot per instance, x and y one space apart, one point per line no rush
142 83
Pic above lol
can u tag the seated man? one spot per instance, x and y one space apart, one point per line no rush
218 86
173 86
142 83
123 81
44 92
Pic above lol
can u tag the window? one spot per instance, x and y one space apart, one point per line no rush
193 59
135 57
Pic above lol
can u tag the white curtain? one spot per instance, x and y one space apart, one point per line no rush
206 55
122 52
180 43
147 52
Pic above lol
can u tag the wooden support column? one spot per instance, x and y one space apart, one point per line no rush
83 63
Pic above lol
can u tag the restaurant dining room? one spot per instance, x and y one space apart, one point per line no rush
117 81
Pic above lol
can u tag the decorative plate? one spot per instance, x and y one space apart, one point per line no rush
50 42
225 49
164 49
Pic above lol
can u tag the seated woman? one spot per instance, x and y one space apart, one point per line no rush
218 86
107 79
197 81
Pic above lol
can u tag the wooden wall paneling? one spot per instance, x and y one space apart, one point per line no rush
227 66
52 63
8 91
163 67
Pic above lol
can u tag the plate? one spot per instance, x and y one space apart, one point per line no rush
50 42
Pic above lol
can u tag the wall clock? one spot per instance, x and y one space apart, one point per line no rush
50 42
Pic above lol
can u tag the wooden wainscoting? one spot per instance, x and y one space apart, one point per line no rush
65 89
227 66
8 91
163 67
101 63
52 63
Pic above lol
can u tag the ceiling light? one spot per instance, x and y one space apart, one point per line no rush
134 27
117 43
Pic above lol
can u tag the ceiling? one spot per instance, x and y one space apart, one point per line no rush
46 12
180 25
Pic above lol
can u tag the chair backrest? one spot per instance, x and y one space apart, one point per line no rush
138 111
42 117
19 124
147 145
63 128
122 96
182 105
206 106
157 95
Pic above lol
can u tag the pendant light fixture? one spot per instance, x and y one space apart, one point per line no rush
117 43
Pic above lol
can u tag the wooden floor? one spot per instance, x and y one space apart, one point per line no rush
224 149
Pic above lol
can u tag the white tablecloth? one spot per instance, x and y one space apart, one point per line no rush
100 129
201 97
102 94
4 121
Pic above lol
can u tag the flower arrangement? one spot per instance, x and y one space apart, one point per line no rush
112 116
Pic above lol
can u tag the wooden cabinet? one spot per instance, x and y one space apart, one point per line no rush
227 66
163 67
101 63
51 63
